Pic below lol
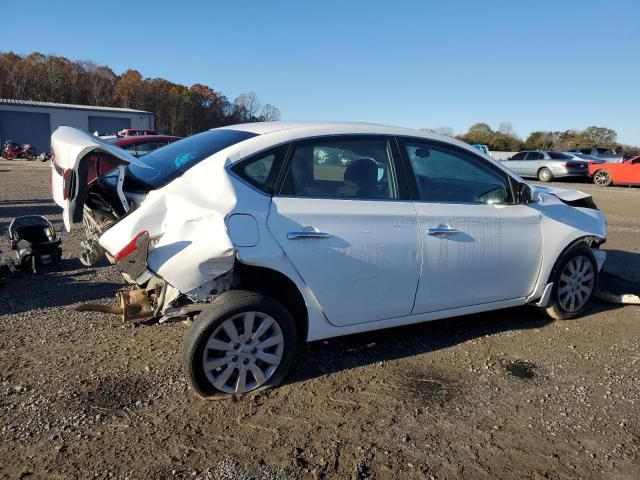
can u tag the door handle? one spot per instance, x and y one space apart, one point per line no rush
306 233
443 230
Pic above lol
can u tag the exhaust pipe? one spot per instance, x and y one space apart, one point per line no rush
134 305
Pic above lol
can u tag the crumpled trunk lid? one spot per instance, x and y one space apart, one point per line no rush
70 173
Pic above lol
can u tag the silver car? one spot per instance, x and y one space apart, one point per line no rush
545 165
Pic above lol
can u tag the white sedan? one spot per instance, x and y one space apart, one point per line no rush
272 234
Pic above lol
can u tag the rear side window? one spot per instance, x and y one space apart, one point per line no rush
171 161
262 170
344 168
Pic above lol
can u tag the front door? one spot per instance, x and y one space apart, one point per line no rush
478 247
341 220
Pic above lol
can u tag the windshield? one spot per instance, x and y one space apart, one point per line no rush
586 157
606 152
168 163
559 156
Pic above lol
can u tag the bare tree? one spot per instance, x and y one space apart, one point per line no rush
270 113
247 106
507 129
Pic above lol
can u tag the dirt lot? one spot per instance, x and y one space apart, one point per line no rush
500 395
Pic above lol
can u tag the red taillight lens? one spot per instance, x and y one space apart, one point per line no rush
132 246
67 176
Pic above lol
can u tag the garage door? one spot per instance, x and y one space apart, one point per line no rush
108 125
26 127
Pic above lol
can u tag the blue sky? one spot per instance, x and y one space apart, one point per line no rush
543 64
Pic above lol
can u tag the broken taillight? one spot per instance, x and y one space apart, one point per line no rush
67 183
132 246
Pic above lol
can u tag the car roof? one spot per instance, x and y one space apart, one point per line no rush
269 134
295 130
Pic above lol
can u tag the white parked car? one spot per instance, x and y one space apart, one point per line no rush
271 244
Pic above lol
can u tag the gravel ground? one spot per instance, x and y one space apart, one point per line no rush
506 394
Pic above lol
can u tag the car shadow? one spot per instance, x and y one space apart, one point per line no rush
624 265
60 287
26 202
18 210
343 353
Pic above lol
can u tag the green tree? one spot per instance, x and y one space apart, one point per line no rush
478 133
600 136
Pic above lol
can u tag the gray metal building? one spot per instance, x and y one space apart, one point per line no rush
26 121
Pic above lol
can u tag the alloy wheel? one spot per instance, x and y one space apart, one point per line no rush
544 175
243 352
602 178
576 283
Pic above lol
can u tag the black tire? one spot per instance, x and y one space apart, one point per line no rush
602 178
223 307
545 175
555 310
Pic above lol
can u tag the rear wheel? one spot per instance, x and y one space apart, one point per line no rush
574 282
545 175
602 178
243 341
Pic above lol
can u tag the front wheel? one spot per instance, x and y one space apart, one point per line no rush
243 341
574 282
602 178
545 175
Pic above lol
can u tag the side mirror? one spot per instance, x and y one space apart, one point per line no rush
528 194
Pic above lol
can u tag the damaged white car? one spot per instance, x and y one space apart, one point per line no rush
270 234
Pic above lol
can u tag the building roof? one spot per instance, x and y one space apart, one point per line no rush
32 103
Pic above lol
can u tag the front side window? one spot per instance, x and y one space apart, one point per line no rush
535 156
449 176
519 156
356 168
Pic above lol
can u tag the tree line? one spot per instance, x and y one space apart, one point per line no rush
506 140
178 109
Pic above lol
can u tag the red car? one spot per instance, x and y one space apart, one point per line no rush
142 144
136 146
625 173
133 132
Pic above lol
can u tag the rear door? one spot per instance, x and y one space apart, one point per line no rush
533 163
71 168
347 225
